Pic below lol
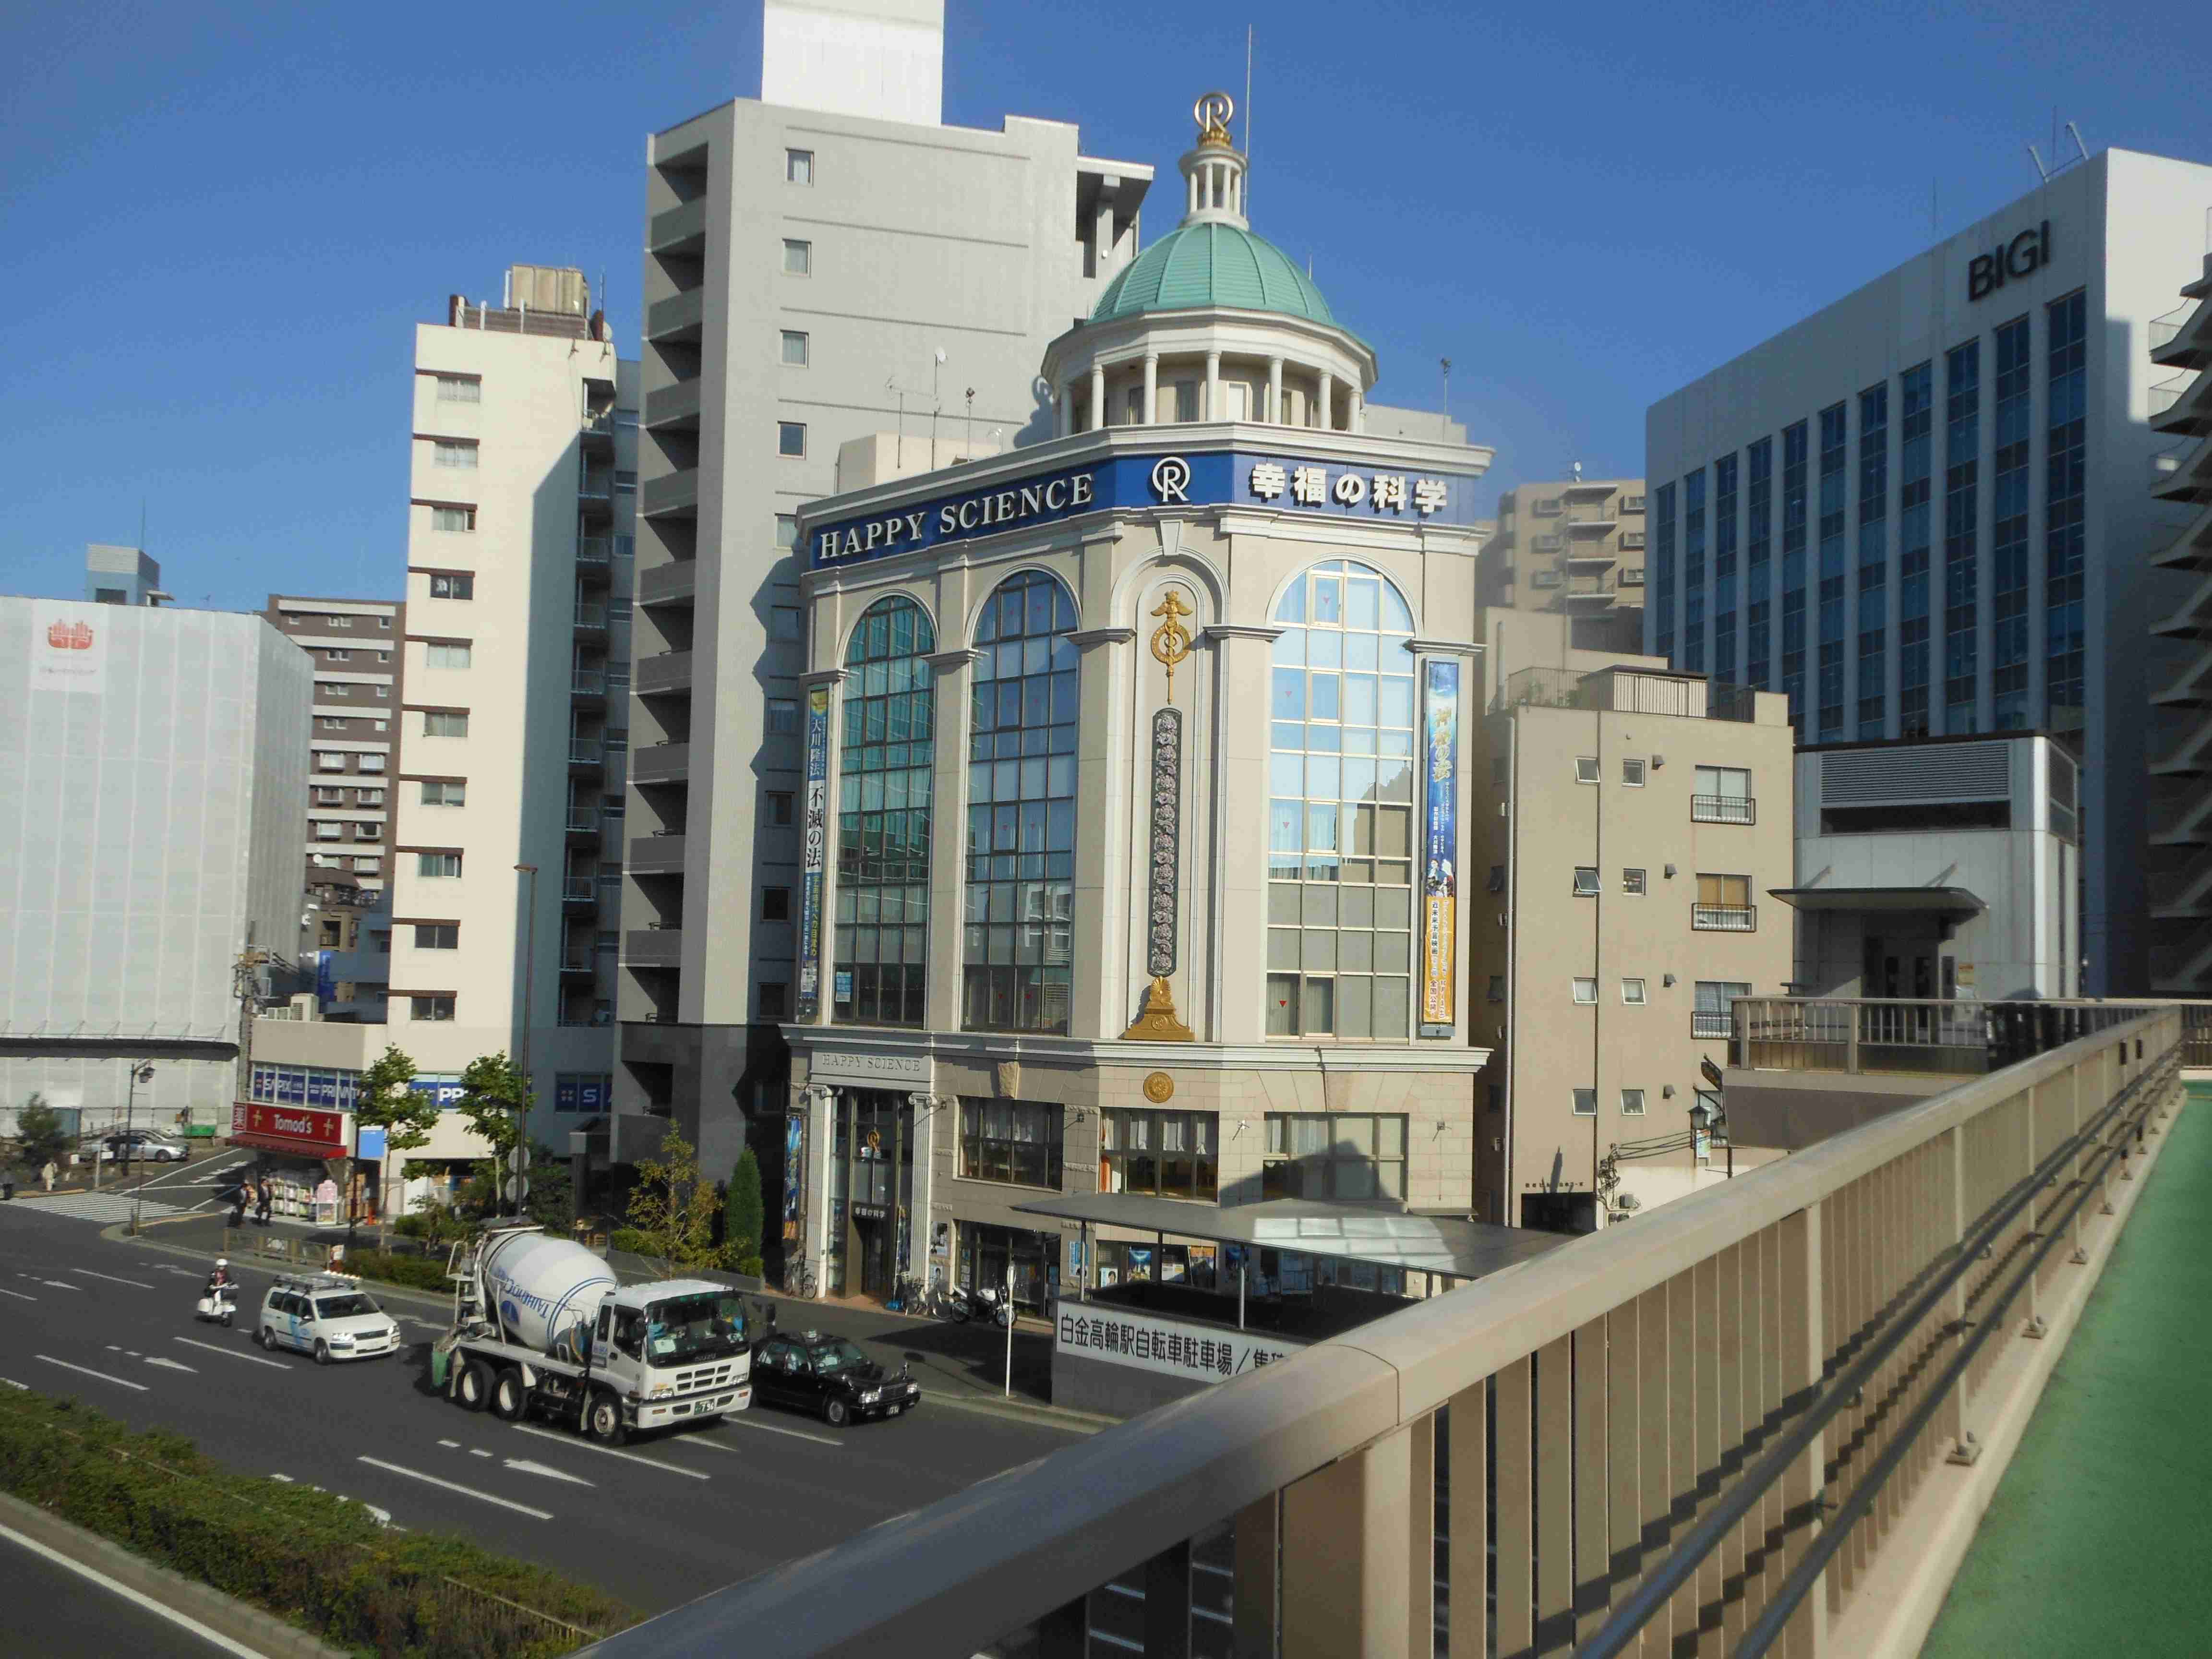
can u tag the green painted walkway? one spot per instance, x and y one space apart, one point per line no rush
2099 1540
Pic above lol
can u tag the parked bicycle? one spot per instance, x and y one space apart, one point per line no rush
799 1279
906 1295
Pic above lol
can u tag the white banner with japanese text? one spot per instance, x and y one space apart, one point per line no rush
1204 1354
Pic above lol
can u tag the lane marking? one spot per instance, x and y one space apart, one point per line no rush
286 1478
523 1465
87 1371
170 1365
134 1283
609 1451
12 1383
232 1353
478 1451
18 1295
451 1485
214 1637
739 1422
61 1284
451 1445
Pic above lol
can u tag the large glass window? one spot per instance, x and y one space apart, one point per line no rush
1829 670
1662 521
1915 465
2009 533
1724 542
1340 809
1874 556
1793 573
1962 411
1014 1141
1693 573
2065 489
883 818
1759 570
1170 1154
1021 810
1344 1155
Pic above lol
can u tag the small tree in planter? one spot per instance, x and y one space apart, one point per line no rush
386 1102
672 1210
746 1215
495 1099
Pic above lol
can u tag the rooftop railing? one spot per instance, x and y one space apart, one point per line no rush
1698 1431
1960 1036
1625 691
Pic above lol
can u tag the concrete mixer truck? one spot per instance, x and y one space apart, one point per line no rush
541 1325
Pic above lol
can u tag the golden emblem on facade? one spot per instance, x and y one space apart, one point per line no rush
1171 640
1158 1087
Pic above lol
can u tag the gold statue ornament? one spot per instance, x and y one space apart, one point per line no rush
1171 640
1212 112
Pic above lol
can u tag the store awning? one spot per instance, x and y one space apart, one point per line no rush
288 1148
1351 1232
1953 903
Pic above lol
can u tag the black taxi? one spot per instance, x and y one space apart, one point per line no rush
830 1376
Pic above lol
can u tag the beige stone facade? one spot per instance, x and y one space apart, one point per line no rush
1572 547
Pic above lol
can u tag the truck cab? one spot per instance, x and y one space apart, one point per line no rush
662 1346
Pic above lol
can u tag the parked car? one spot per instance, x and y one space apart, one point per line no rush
830 1376
143 1146
326 1315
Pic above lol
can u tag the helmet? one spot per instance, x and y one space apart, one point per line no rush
223 1261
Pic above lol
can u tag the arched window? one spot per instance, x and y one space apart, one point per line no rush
883 819
1341 809
1021 811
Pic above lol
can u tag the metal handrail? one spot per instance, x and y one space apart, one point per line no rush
1675 1570
1724 808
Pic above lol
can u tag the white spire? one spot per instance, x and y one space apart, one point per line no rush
1213 174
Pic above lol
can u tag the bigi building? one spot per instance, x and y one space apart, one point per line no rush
1134 809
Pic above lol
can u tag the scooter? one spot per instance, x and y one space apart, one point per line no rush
220 1305
992 1305
950 1301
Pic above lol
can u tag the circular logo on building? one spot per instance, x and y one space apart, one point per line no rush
1171 478
1158 1086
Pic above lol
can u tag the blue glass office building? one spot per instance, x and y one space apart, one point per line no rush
1940 490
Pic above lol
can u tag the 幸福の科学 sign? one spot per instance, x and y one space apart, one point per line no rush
1283 482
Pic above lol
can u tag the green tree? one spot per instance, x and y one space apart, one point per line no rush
495 1099
547 1203
742 1227
386 1102
40 1134
673 1208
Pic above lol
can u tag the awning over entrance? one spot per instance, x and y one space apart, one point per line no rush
1352 1232
1953 903
286 1146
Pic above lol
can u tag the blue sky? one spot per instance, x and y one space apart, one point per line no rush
219 223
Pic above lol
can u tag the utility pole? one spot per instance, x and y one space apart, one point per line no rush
138 1074
521 1157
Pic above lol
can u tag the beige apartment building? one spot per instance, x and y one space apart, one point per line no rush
1619 901
356 648
506 800
1572 547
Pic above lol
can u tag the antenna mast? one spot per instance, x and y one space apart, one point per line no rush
1248 121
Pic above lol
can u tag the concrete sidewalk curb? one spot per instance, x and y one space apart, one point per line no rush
264 1632
1027 1411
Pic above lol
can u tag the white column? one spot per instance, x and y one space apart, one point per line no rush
1327 384
1097 396
1063 411
1274 391
1358 413
1152 413
1190 189
1212 386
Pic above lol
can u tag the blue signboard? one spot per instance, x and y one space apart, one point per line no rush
591 1093
1440 850
444 1086
1277 480
372 1144
327 979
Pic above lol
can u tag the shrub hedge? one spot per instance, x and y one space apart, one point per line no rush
423 1272
631 1240
306 1556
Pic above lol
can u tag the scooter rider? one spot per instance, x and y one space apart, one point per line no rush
220 1282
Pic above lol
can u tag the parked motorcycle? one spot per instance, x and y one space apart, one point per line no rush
219 1305
950 1301
991 1303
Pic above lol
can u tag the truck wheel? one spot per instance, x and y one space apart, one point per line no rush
603 1419
835 1413
510 1401
476 1384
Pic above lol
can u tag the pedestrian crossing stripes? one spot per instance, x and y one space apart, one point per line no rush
105 1208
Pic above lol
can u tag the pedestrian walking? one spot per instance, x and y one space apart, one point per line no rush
47 1174
262 1201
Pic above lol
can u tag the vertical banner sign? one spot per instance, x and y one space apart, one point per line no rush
1440 854
794 1179
817 841
1166 841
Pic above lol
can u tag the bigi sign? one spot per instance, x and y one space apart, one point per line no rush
2023 256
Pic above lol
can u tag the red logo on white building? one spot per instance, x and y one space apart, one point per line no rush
69 636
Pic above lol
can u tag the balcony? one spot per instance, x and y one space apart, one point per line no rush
1584 556
1550 508
672 495
1724 808
579 893
585 751
1590 592
1711 1024
668 674
595 483
679 317
588 683
673 408
660 763
596 431
673 584
1763 1418
652 947
584 823
577 964
1724 918
2175 343
655 855
590 617
595 552
680 230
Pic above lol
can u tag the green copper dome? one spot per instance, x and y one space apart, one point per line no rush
1197 267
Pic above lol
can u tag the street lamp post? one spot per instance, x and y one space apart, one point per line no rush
138 1074
521 1158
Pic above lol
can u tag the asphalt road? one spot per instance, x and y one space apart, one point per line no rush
50 1609
659 1523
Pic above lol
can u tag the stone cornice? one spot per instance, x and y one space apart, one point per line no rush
959 657
1242 631
1084 638
822 676
1445 648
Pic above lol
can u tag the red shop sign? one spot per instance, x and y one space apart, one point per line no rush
311 1131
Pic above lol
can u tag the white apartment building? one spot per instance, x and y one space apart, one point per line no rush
823 263
1924 511
507 799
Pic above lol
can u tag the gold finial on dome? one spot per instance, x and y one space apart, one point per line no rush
1212 112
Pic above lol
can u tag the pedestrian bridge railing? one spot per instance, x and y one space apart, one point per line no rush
1693 1432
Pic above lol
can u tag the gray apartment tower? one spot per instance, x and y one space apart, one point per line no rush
1924 511
823 263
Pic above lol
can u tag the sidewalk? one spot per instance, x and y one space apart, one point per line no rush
964 1366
